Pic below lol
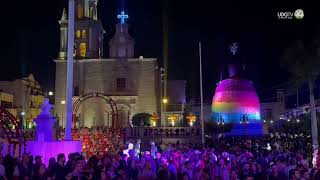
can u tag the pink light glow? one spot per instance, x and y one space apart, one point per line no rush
52 149
234 98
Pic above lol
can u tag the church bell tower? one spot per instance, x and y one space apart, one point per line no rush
122 44
88 40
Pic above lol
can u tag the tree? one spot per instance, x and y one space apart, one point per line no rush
302 60
141 118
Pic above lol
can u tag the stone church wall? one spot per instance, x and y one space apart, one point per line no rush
100 75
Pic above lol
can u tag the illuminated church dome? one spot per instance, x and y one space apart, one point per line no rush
236 102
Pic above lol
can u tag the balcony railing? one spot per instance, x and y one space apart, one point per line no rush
163 132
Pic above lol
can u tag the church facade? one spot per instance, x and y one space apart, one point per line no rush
107 91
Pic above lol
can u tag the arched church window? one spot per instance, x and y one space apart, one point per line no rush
79 11
91 12
84 33
83 49
74 50
78 34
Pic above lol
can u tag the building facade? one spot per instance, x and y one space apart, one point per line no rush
22 98
6 101
107 91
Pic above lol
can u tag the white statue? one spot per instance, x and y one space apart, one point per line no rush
45 122
46 107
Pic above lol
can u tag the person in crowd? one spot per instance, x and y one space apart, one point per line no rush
40 173
25 167
59 169
37 164
147 172
2 169
154 149
133 170
51 166
137 147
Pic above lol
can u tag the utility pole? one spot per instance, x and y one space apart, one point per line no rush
201 97
297 98
69 89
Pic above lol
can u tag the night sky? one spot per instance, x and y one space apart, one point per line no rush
30 37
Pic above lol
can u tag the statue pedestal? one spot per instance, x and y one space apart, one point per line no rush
45 145
45 123
45 127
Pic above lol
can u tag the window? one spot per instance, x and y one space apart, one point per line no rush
80 11
78 34
91 12
75 50
84 33
6 104
121 84
83 49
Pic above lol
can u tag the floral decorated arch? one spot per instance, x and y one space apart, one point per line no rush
13 134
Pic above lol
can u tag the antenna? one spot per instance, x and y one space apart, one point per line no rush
122 5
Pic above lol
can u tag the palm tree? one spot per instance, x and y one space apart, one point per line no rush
302 60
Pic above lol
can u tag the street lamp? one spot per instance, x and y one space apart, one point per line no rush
23 119
162 95
164 100
50 93
63 102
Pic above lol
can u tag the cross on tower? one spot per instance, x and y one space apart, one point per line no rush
234 48
122 16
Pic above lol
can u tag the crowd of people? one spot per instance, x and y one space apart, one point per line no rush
278 156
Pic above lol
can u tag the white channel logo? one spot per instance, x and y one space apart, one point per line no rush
297 14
